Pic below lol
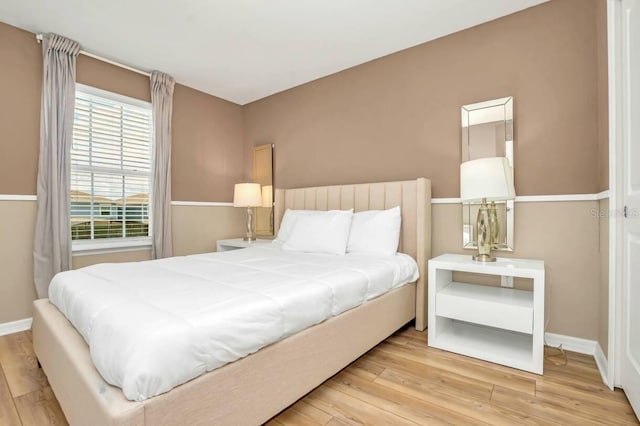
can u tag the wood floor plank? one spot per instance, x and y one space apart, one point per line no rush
547 409
429 374
580 365
412 333
398 339
20 364
351 410
336 422
593 404
302 409
396 402
420 345
460 365
575 383
40 408
480 411
293 417
366 369
8 413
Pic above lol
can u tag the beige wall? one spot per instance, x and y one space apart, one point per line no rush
17 290
105 76
206 153
196 228
603 291
398 117
603 94
20 84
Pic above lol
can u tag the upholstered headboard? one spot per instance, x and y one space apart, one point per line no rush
413 197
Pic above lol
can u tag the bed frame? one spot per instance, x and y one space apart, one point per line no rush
257 387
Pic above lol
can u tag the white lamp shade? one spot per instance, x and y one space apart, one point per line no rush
267 196
247 195
490 178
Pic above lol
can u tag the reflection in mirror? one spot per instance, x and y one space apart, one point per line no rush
263 174
487 131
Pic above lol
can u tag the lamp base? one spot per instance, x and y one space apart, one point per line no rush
250 235
483 226
483 258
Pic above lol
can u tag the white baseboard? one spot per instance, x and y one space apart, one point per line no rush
603 365
573 344
15 326
582 346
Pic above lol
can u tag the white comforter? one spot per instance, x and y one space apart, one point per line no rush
153 325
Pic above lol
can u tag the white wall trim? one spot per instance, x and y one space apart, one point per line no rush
15 326
556 198
21 197
573 344
445 201
520 199
202 203
538 198
603 365
17 197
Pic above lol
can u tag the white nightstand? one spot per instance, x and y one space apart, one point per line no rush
238 243
497 324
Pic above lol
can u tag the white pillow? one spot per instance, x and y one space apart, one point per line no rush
291 217
326 232
286 226
375 232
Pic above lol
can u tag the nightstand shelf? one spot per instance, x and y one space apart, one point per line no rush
497 324
239 243
491 344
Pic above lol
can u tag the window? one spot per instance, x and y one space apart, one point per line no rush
110 170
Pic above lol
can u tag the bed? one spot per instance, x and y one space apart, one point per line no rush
255 388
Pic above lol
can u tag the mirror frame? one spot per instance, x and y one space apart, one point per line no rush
493 111
263 174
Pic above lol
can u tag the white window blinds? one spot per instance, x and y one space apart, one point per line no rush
110 167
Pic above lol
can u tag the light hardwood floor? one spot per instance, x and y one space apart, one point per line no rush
400 382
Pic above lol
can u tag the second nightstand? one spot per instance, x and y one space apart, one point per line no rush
238 243
501 325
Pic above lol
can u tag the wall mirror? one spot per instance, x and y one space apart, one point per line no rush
487 131
263 174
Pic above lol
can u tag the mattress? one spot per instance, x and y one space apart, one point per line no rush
154 325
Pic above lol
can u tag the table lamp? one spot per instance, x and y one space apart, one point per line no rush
481 180
248 195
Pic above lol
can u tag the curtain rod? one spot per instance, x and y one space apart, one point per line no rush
109 61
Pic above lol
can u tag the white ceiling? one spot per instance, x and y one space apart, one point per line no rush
244 50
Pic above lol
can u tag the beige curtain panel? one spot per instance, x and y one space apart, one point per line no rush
162 105
52 246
